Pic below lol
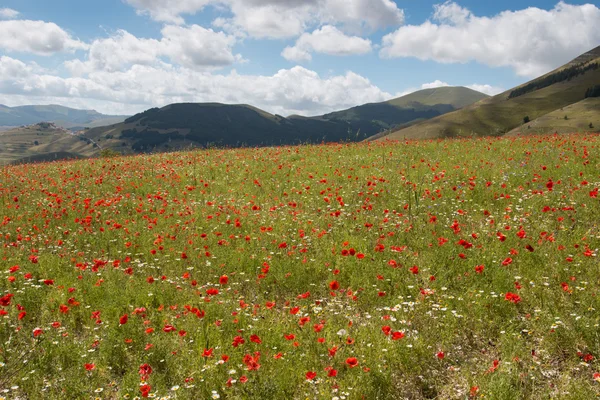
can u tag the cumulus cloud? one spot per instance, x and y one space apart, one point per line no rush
279 18
192 46
532 41
327 40
196 46
487 89
435 84
168 10
289 91
8 13
38 37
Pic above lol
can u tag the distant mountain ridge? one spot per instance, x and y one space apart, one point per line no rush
424 104
204 124
185 125
61 116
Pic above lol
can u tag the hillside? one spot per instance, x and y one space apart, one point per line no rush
205 124
202 125
504 112
372 118
576 117
64 117
42 142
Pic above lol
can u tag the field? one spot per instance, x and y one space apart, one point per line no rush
454 269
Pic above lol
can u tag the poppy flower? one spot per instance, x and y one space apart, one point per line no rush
310 375
145 390
255 339
90 367
351 362
123 319
512 297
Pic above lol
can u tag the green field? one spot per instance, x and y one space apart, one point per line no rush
446 269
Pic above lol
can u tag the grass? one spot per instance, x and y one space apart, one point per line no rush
439 269
579 116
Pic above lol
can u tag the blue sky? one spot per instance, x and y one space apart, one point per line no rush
306 57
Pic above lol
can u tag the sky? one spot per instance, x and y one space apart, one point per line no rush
304 57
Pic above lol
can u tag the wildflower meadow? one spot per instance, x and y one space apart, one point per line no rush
442 269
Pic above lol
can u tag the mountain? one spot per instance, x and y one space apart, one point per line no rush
179 126
65 117
424 104
204 124
43 142
500 114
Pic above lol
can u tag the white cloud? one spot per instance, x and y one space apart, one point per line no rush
38 37
532 41
435 84
118 51
8 13
327 40
371 14
168 10
192 46
279 18
289 91
487 89
451 13
293 53
196 46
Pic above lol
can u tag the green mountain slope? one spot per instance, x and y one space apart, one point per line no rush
200 125
373 118
576 117
502 113
61 116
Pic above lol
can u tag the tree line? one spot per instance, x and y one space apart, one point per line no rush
565 75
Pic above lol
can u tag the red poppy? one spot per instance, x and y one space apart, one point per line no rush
512 297
310 375
90 367
123 319
255 339
145 389
352 362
